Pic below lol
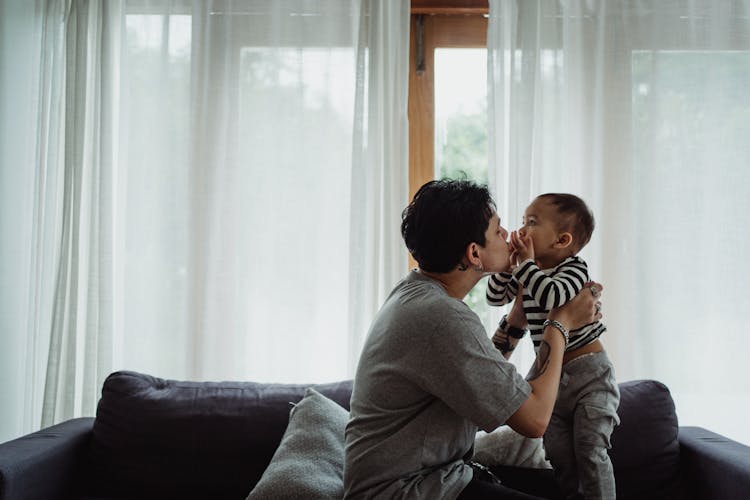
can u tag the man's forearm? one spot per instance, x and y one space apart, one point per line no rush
544 374
504 343
533 417
509 332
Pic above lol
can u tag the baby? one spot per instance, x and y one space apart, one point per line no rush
544 252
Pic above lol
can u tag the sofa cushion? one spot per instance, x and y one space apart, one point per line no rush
645 451
164 438
309 462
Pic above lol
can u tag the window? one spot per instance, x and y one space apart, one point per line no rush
448 100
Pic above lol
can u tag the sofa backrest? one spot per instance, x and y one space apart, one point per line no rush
165 438
645 449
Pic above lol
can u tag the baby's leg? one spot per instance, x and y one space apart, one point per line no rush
559 447
595 418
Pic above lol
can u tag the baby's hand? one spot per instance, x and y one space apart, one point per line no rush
513 255
522 248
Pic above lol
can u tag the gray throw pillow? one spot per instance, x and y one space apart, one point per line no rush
309 462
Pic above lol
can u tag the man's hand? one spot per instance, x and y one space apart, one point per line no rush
583 309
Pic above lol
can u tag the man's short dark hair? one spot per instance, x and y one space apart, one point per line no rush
444 217
576 217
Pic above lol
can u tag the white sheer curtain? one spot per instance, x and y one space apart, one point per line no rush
19 57
57 242
642 108
212 191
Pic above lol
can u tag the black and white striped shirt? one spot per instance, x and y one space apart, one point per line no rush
544 290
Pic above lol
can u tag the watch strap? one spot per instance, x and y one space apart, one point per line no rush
512 331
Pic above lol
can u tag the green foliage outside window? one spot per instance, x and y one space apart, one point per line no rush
463 155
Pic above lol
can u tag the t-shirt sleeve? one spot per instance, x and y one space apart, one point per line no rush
463 369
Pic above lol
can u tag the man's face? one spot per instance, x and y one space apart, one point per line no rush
495 255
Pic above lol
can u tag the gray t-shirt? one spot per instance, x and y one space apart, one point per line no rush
428 376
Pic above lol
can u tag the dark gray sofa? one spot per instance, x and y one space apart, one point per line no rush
155 438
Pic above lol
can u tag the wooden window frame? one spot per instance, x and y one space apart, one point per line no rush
443 24
437 24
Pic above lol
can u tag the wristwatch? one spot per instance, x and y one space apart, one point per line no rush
512 331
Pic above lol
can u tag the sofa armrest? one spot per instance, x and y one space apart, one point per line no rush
713 466
43 464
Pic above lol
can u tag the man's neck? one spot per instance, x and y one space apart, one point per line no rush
456 283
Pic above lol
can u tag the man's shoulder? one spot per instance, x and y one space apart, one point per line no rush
418 310
413 306
419 293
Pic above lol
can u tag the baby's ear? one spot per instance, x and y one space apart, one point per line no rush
564 240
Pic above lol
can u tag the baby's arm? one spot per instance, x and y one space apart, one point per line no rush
501 289
550 292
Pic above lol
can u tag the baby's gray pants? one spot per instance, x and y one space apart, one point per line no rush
577 439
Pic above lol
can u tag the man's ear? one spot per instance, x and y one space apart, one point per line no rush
564 240
472 253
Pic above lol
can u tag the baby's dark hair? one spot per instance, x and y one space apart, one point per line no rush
576 217
444 217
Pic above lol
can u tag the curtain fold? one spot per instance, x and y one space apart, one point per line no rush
80 332
20 221
204 177
639 107
380 180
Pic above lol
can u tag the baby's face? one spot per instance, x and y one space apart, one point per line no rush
540 223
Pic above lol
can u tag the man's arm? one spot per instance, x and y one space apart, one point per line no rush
532 418
511 329
504 342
